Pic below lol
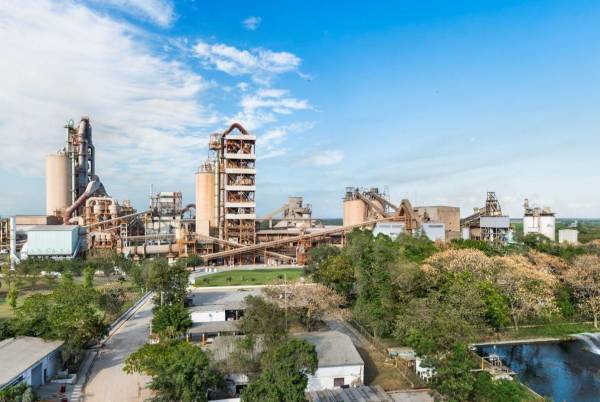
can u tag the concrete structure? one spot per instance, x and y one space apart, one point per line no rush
206 202
539 220
391 229
214 312
569 236
448 216
29 360
339 361
434 231
53 241
355 211
58 183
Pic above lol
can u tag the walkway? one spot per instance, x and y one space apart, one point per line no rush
107 380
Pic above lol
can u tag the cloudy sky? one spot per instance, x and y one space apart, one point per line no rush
436 101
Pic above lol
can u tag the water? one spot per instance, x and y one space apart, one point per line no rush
567 371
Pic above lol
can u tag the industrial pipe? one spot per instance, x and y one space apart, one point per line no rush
14 259
91 188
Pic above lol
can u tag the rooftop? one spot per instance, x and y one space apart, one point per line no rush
211 300
333 348
52 228
19 354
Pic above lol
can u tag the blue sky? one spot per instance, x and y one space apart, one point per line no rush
437 101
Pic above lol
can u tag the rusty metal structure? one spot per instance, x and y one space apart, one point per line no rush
487 223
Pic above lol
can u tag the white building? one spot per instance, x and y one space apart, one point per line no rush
214 312
569 236
539 220
339 361
29 360
434 231
391 229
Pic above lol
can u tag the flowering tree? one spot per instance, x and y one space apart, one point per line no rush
584 278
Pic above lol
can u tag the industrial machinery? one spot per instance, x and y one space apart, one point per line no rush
487 223
70 174
539 220
293 214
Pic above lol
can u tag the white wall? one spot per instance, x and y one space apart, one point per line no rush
51 363
208 316
545 225
323 377
568 236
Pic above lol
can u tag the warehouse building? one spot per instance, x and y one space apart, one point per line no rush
54 241
29 360
340 365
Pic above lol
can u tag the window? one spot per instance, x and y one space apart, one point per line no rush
338 382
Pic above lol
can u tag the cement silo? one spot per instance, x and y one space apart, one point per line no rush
205 199
355 211
58 183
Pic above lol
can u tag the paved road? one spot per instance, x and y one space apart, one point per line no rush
107 380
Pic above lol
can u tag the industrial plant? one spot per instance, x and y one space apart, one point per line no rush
222 226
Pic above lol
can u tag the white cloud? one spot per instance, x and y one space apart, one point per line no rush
252 23
159 12
270 143
277 100
61 60
260 64
324 158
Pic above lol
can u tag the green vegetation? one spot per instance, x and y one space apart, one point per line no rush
437 299
283 374
179 371
17 393
171 321
246 277
169 283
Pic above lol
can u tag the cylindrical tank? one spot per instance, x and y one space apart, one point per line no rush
355 212
58 183
205 200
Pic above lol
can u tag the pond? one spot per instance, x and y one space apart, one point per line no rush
566 371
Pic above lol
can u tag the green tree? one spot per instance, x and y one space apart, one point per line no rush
453 377
88 277
416 249
336 272
262 319
319 255
170 283
284 374
179 371
11 297
171 321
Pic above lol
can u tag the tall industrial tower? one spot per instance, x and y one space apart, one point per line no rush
226 187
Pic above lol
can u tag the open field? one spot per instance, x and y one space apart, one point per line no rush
247 277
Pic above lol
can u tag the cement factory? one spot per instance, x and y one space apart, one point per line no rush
222 226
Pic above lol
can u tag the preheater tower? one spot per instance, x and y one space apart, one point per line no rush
235 185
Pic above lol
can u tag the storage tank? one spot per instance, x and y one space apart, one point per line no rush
355 211
58 183
205 199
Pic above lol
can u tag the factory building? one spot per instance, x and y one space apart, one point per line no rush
568 236
447 216
539 220
487 223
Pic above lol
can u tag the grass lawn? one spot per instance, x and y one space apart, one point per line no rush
557 330
249 277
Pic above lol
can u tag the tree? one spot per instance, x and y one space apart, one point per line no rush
171 321
529 292
71 313
318 255
88 277
314 301
284 374
584 278
170 283
453 377
265 319
336 272
416 249
179 371
11 297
